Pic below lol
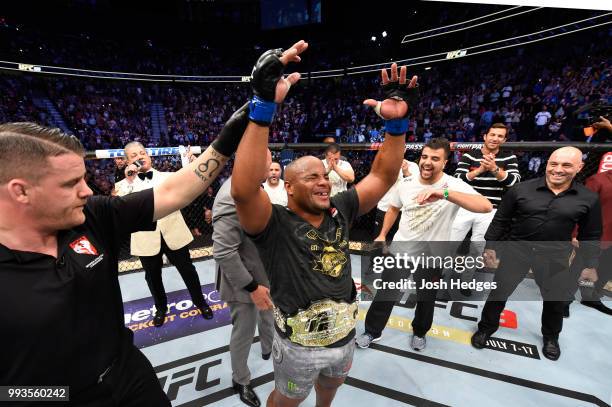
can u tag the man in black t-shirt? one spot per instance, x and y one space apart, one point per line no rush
120 164
62 314
304 246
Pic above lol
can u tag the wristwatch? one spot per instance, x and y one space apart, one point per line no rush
496 171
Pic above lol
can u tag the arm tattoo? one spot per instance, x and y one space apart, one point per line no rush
206 170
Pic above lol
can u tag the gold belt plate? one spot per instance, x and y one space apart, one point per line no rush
323 323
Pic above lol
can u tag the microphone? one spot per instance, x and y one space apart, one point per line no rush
138 164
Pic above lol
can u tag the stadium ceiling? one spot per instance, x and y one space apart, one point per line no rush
549 33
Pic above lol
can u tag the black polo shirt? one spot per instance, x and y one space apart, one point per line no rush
530 211
62 319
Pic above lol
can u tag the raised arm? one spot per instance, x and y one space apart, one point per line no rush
394 110
252 203
185 185
269 88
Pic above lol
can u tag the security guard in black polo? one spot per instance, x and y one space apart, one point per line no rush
60 300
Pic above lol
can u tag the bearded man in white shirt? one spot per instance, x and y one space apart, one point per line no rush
275 186
340 172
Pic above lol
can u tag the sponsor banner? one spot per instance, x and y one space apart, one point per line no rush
455 146
152 151
456 54
29 68
183 318
465 146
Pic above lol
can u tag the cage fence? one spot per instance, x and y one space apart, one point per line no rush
531 156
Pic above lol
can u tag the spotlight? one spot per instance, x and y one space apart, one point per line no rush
373 38
427 68
384 34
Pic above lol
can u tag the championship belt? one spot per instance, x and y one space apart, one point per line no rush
325 322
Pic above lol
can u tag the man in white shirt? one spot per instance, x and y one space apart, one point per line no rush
429 204
506 92
171 237
541 120
275 186
409 169
340 172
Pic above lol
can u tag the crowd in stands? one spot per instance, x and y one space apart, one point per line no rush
17 103
195 115
103 114
212 56
141 56
539 97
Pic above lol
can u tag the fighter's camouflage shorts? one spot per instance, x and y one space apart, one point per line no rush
297 367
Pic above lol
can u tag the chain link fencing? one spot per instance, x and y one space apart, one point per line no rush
532 159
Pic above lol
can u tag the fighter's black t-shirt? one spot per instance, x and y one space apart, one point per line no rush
61 318
305 263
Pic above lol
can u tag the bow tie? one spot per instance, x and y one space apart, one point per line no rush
148 174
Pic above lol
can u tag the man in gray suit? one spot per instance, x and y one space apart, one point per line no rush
243 284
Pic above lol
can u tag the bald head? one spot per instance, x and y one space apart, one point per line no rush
301 166
562 166
307 186
567 154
